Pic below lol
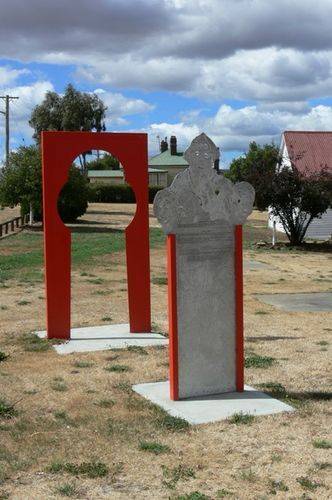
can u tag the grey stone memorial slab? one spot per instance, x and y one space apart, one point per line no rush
207 409
297 302
101 338
201 208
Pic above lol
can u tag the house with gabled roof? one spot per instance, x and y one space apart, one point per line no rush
310 152
157 177
169 159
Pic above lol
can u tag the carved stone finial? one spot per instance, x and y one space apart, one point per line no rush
199 194
202 152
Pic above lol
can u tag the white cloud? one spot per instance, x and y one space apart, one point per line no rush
9 75
120 106
269 74
213 49
233 129
276 55
20 110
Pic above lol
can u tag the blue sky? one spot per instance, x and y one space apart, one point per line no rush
237 70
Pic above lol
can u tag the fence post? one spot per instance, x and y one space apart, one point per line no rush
274 234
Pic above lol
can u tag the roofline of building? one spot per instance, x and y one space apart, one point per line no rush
308 131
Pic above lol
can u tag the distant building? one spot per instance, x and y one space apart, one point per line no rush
157 177
169 159
163 167
309 152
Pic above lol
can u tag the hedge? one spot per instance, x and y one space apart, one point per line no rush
116 193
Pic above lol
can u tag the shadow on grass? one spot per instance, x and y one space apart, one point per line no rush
93 229
276 390
102 212
271 338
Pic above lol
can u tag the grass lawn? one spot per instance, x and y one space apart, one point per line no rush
70 426
22 255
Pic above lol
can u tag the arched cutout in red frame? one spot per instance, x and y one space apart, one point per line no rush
59 150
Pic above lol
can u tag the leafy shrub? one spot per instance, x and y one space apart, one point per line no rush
113 193
73 199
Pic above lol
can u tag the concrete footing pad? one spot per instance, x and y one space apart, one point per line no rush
299 302
254 265
203 410
100 338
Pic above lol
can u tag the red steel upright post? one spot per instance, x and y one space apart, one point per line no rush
239 355
59 150
57 240
172 318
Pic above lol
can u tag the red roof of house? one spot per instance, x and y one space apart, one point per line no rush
310 151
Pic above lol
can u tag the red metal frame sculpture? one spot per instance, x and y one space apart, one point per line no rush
59 150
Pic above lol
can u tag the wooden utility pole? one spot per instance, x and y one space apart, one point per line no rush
7 98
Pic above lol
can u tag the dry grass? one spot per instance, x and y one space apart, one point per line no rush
54 437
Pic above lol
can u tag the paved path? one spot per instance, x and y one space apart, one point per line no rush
305 302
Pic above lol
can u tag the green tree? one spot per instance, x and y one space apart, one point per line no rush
299 197
257 166
21 184
106 162
74 110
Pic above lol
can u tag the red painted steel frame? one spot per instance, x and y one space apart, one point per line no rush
59 150
172 318
239 309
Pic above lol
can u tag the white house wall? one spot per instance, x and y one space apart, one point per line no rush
319 229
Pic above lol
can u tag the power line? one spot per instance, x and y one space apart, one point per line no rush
7 98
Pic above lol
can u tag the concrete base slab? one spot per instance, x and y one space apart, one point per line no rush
100 338
254 265
304 302
203 410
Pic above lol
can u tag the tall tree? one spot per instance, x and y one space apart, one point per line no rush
106 162
74 110
257 166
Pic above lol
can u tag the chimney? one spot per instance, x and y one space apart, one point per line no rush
163 145
173 146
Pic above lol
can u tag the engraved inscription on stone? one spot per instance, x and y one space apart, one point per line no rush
206 312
